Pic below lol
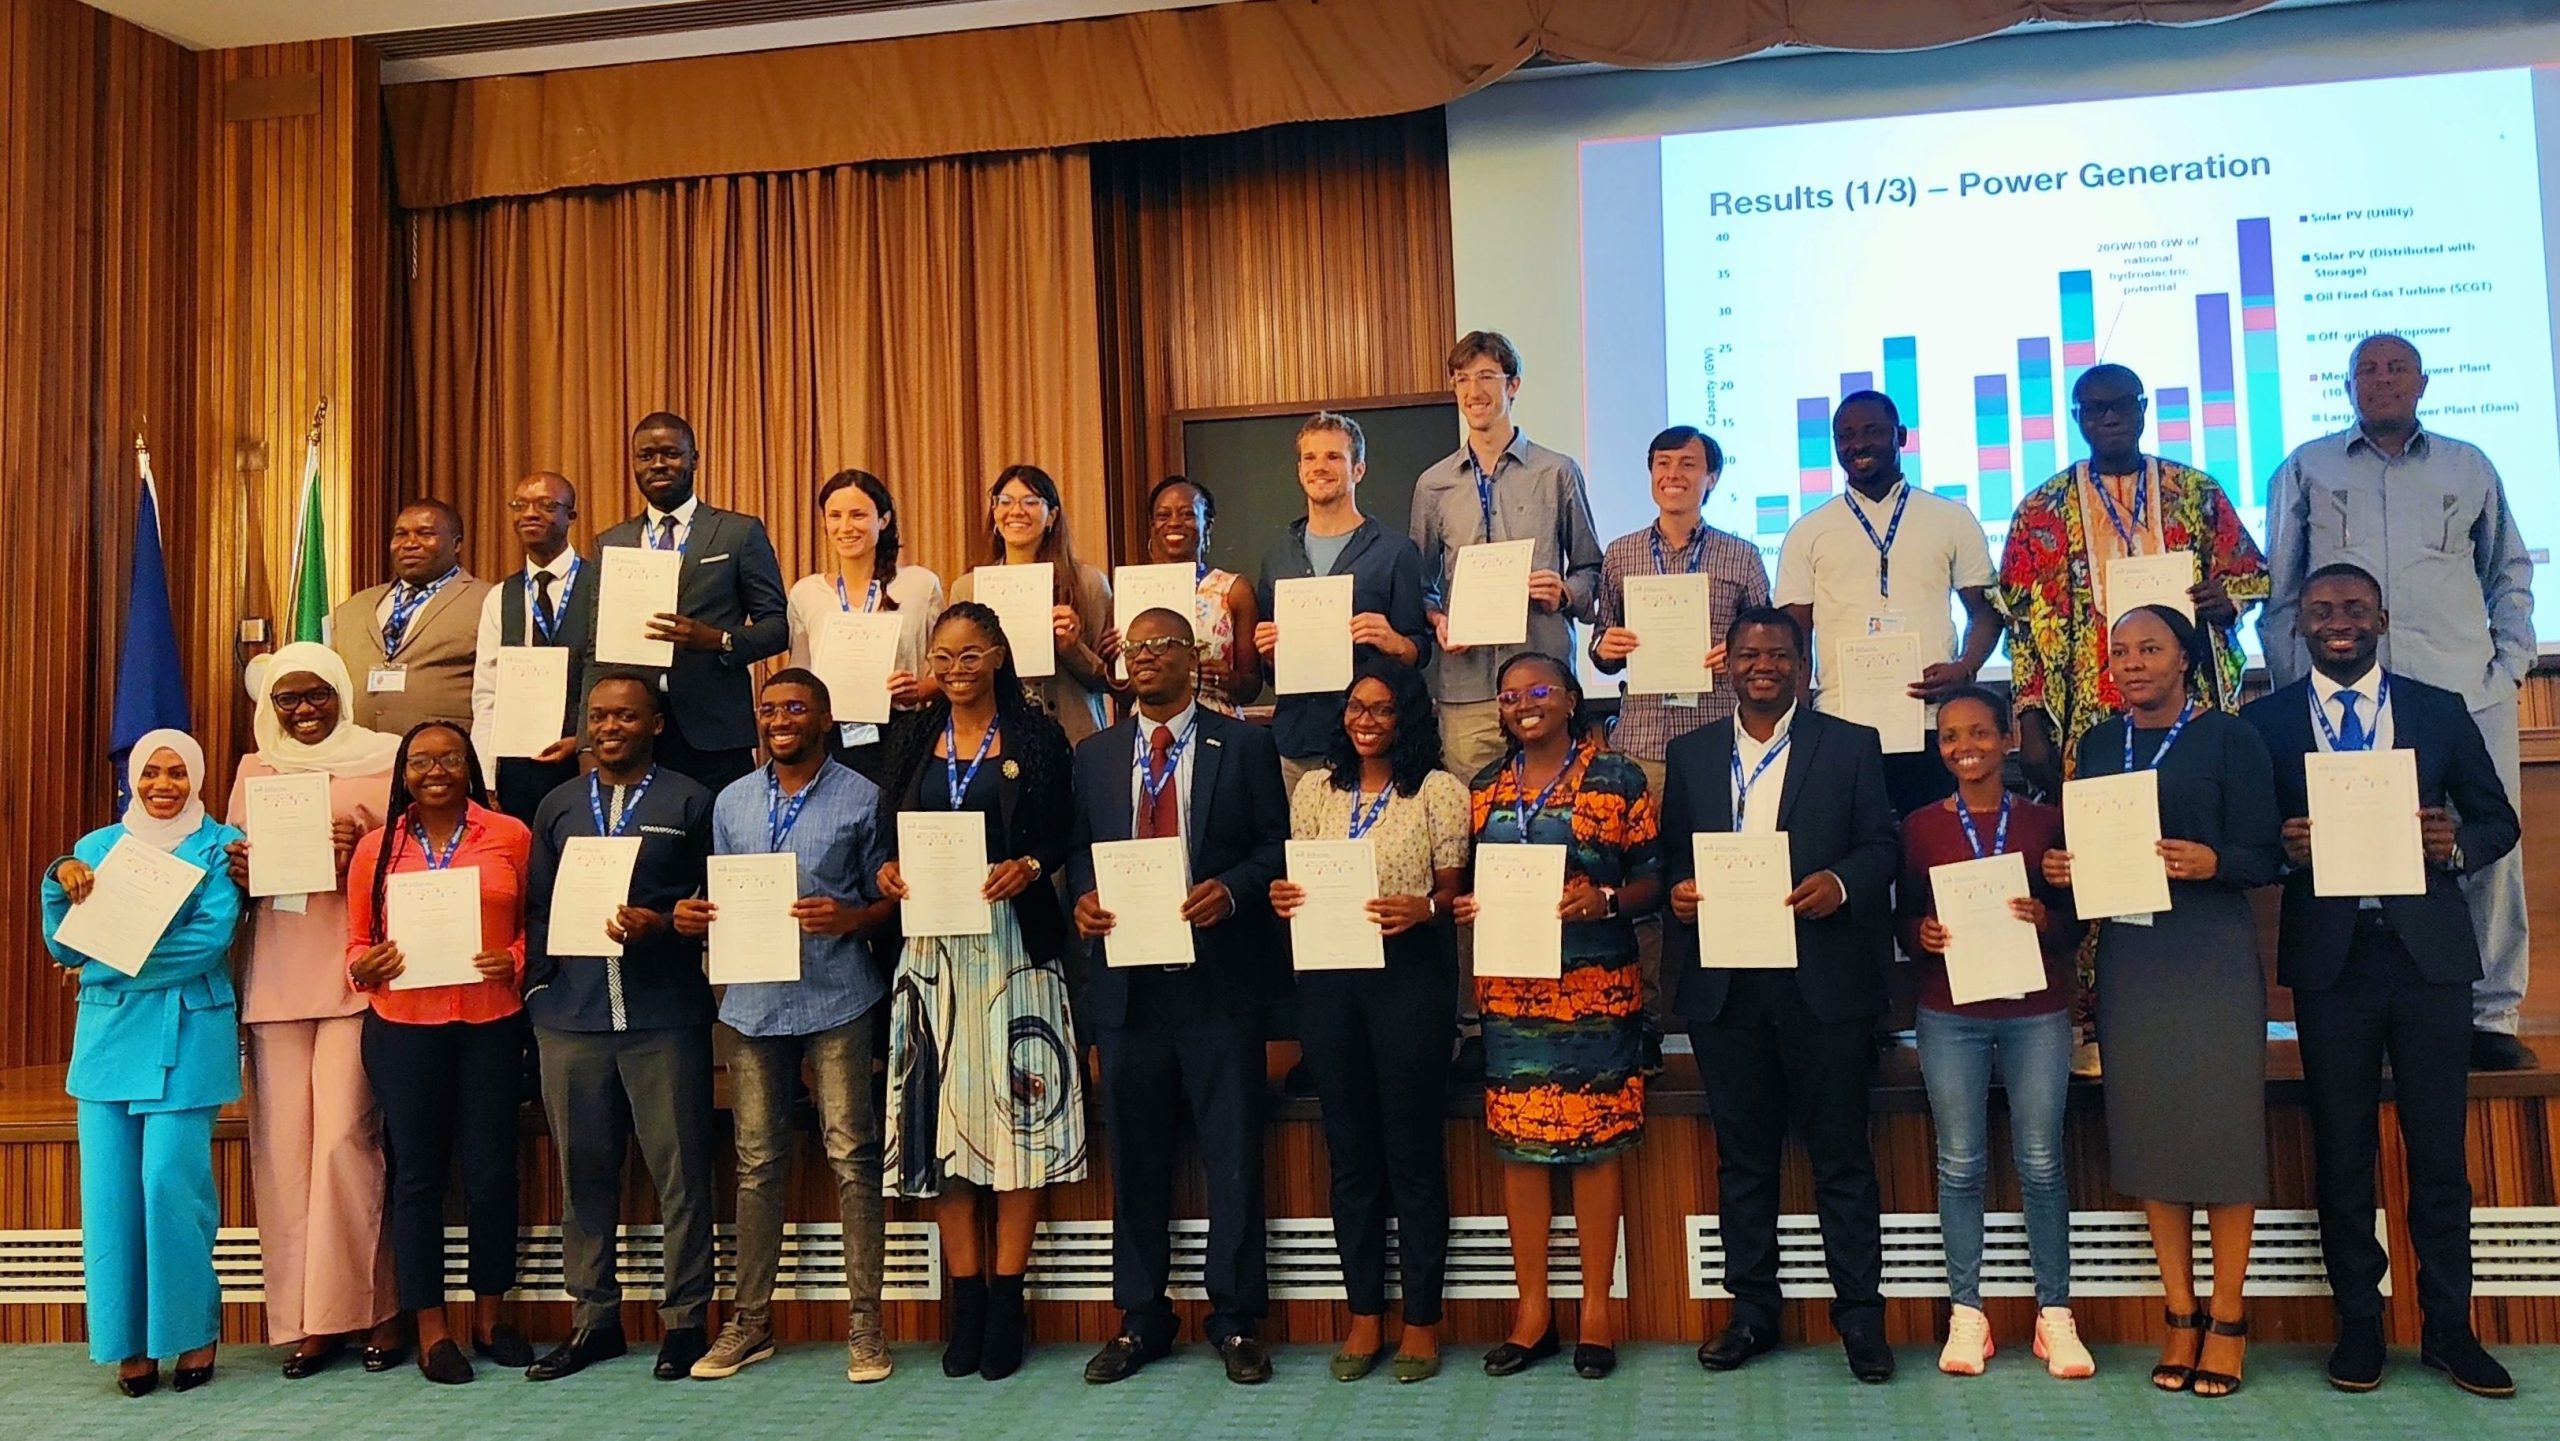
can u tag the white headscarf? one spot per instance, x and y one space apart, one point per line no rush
139 822
350 750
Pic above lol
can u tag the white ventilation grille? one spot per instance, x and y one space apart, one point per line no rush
2110 1255
1071 1260
2515 1250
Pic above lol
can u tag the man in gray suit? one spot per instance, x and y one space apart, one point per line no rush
730 606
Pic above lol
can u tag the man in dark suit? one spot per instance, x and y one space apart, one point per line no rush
2387 976
731 608
1177 1036
1772 1044
552 603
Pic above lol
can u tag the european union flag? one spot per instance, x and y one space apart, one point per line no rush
151 687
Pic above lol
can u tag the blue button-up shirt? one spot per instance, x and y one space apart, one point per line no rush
2432 524
839 844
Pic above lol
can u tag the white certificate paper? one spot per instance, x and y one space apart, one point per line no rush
1314 617
1991 954
533 693
1332 930
2365 839
1137 589
593 882
1873 687
291 851
138 891
638 584
1489 593
2111 826
1518 932
1142 883
1668 613
942 856
2162 579
854 652
753 936
1023 598
434 918
1744 922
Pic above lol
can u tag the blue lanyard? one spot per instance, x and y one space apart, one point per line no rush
395 630
1148 781
778 817
2372 733
870 597
2141 504
1692 556
1883 543
1741 787
2186 713
1362 824
951 758
669 533
559 606
1530 810
1484 482
435 862
1973 838
630 808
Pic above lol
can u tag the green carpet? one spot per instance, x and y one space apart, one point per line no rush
1658 1392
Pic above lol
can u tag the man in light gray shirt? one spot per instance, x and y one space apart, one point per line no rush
2427 514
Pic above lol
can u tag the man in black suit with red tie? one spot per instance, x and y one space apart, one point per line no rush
1775 1044
2386 976
1189 1035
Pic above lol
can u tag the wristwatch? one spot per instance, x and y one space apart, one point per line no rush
728 641
1609 894
1034 863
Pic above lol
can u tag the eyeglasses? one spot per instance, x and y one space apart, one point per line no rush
1478 377
967 660
1533 693
2128 406
1030 503
1158 645
1353 710
768 709
529 507
287 702
453 764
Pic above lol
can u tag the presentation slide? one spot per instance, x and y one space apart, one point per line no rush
1972 264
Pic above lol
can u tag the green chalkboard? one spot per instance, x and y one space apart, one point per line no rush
1249 460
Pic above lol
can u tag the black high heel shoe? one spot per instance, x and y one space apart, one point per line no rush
2169 1377
142 1385
191 1377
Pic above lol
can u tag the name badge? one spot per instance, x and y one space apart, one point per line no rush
1880 624
1684 700
386 680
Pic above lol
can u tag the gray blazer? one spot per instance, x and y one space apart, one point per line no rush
731 581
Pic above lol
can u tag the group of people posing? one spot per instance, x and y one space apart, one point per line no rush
370 1095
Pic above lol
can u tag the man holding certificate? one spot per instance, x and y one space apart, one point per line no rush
1182 1036
2382 968
811 1004
623 1011
548 605
1778 1040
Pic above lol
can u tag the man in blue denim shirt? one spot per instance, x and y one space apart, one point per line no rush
2427 514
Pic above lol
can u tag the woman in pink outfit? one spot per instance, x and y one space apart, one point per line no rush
315 1137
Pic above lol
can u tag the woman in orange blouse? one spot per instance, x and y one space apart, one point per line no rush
443 1056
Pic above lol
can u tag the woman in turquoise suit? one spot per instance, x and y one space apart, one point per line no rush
153 1056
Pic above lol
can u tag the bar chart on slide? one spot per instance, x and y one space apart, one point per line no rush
1973 266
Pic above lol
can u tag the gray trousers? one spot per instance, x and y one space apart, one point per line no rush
599 1089
761 1070
2496 892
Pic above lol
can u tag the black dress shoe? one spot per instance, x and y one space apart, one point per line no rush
1122 1357
378 1359
1594 1363
683 1346
443 1364
191 1377
2355 1363
2498 1051
303 1364
2462 1358
581 1350
1511 1358
506 1346
1248 1360
1734 1349
142 1385
1652 1053
1870 1359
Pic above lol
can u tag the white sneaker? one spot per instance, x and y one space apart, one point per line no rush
739 1347
2058 1344
2084 1060
1968 1345
866 1357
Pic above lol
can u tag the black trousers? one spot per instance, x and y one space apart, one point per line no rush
1768 1063
1153 1069
448 1090
2382 1007
523 782
1377 1045
714 769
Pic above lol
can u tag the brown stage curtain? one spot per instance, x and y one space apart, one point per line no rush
930 322
1209 71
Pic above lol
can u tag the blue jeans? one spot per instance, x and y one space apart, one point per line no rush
2034 1054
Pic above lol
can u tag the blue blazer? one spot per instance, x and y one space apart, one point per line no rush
168 1038
1239 835
2453 766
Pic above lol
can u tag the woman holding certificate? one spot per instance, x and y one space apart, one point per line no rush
1027 525
2179 990
154 1054
986 1089
1179 514
446 1029
1376 1040
315 1139
1975 1010
1564 1057
865 577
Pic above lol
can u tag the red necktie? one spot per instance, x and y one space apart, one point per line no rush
1159 814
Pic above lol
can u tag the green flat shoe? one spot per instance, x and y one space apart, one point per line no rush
1408 1369
1353 1365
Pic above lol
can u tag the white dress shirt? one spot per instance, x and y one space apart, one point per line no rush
1182 720
2377 723
651 517
1760 817
484 661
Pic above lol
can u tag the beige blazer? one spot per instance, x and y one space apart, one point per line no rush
435 658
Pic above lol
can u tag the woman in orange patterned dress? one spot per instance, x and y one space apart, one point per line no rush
1564 1077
